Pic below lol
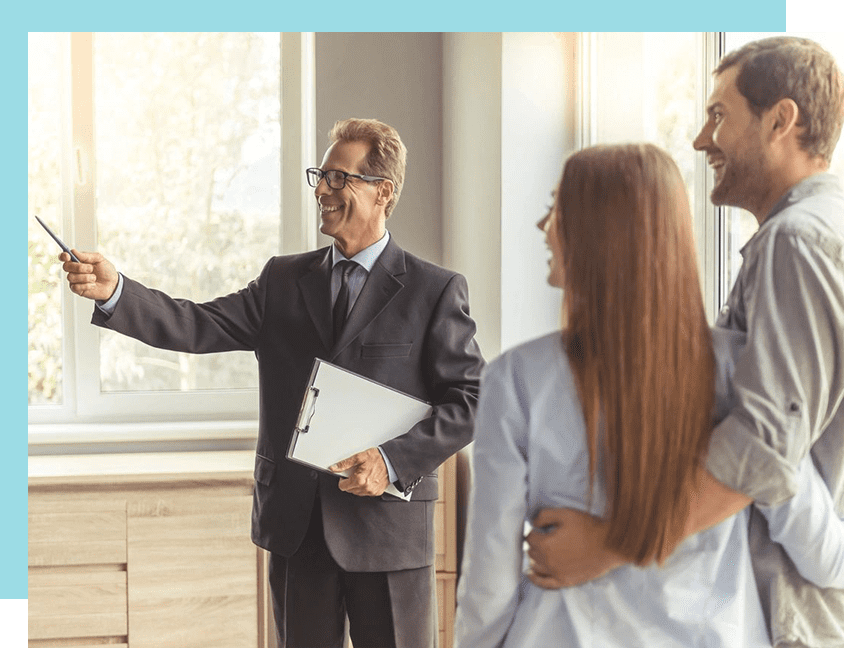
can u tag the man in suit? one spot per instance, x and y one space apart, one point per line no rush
339 547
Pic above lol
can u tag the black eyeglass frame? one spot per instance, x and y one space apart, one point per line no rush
322 174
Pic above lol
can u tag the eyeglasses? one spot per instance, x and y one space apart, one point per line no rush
336 179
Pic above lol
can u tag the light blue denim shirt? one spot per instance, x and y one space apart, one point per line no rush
789 388
530 452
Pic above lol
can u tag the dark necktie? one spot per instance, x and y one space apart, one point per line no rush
341 305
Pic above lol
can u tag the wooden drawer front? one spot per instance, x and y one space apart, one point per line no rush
77 533
445 608
193 573
77 604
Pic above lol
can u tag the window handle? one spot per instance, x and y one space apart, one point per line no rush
80 168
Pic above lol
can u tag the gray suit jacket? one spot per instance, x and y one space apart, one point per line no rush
410 329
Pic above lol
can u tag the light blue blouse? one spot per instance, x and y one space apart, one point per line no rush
530 452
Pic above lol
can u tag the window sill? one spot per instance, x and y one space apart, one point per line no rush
99 438
55 471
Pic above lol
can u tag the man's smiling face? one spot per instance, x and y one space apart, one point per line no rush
734 146
353 215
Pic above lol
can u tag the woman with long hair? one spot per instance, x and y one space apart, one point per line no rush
610 416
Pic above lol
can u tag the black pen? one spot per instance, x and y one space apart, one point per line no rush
58 240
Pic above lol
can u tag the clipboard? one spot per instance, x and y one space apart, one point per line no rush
343 413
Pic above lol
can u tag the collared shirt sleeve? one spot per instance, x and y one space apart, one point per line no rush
793 291
488 591
108 306
809 529
391 472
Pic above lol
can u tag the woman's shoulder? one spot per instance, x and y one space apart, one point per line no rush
543 347
535 360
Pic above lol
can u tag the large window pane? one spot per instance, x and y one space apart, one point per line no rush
46 58
650 87
187 156
644 87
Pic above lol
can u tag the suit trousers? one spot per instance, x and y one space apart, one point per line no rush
312 597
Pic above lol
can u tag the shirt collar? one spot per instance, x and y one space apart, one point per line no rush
366 257
806 187
803 189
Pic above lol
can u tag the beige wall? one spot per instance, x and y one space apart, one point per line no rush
539 130
472 174
397 78
487 119
509 121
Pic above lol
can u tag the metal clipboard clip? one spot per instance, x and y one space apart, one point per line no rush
303 423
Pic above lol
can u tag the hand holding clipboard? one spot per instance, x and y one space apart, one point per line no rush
343 414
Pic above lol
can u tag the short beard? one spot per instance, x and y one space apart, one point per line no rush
744 182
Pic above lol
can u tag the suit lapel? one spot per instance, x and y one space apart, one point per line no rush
379 290
316 289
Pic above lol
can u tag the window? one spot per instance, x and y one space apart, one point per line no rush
46 358
652 87
163 151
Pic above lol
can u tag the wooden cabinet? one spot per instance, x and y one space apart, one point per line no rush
153 551
189 558
77 570
147 551
445 527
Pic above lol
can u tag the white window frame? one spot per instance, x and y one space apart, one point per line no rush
89 415
709 221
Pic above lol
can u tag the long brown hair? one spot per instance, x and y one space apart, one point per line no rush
638 341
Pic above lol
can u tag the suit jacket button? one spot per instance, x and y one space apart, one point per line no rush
314 474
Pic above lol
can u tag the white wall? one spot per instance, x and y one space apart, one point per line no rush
509 121
538 133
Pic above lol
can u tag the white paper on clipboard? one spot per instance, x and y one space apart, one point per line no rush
343 413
